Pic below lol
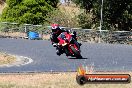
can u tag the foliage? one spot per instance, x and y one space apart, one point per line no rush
120 14
117 14
53 3
62 18
85 20
26 11
12 3
4 27
85 4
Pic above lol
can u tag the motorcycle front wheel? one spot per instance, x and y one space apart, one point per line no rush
76 53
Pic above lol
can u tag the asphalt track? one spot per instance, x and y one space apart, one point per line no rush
103 57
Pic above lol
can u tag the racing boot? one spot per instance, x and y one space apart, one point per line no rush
58 52
54 44
79 44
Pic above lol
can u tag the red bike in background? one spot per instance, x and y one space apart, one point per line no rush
69 45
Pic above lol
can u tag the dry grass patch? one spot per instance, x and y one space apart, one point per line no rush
6 59
48 80
73 11
14 34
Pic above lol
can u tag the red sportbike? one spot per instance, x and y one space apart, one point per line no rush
69 45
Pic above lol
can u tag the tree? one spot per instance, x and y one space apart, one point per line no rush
85 4
117 14
26 11
62 18
85 20
53 3
12 3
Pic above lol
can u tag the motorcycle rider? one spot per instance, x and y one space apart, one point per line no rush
56 31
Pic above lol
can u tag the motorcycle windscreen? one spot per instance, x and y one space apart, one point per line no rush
62 36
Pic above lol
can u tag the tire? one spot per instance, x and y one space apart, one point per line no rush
76 53
81 80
